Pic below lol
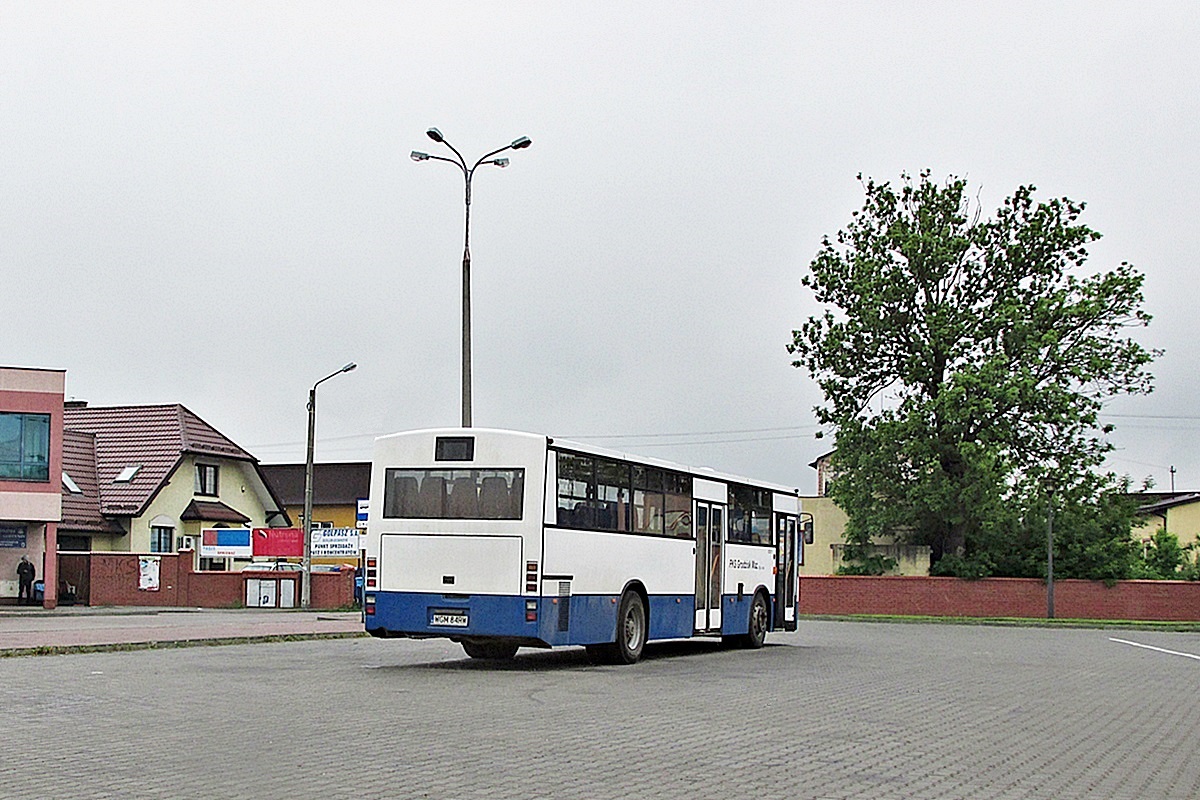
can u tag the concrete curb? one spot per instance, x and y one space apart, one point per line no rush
72 649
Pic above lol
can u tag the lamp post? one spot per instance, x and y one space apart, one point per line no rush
468 173
1049 552
306 578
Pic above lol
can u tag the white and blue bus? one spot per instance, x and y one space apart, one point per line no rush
498 539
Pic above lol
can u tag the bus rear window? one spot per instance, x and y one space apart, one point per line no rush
453 493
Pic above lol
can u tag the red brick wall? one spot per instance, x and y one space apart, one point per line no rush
999 597
113 581
215 589
332 589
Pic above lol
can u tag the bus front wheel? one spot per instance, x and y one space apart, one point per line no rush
496 651
759 622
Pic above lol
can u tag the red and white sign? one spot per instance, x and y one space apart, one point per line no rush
279 542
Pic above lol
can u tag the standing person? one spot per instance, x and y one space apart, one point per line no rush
25 573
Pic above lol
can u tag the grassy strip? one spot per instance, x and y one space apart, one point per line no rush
1184 626
118 647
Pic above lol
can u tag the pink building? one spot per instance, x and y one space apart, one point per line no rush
31 475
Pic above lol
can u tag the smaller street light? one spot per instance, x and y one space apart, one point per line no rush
306 577
1050 488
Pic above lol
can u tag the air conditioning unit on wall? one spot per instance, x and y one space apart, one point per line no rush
187 542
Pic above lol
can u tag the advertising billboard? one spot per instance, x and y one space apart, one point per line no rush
279 542
226 543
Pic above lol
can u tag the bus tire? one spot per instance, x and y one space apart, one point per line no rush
631 628
491 650
760 620
630 635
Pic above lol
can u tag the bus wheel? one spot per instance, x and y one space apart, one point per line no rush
631 628
631 634
497 651
759 622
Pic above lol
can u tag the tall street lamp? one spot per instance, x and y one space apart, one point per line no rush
306 578
468 173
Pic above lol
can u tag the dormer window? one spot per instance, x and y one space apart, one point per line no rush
70 485
127 474
206 480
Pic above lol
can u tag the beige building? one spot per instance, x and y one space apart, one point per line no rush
1178 514
824 555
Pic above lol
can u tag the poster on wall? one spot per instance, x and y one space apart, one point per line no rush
225 543
148 569
12 536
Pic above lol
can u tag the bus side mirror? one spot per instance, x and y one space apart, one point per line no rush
806 528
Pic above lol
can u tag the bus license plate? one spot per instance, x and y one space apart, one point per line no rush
449 619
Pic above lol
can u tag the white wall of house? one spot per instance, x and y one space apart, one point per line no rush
235 488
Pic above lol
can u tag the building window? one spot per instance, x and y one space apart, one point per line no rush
24 447
162 539
206 480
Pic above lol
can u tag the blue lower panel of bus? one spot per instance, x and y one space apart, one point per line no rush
577 619
735 614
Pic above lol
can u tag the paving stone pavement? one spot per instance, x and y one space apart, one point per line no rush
836 710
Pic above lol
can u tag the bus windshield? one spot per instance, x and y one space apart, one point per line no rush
453 493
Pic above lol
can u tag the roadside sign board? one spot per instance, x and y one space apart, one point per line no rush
335 543
279 542
225 543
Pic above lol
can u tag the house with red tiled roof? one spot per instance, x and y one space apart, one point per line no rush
148 479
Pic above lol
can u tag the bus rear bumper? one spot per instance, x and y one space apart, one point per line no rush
423 615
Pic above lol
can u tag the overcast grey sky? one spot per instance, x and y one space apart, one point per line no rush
212 203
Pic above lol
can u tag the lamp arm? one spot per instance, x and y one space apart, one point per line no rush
489 155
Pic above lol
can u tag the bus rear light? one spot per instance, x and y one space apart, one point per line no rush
369 604
372 563
531 576
372 583
531 610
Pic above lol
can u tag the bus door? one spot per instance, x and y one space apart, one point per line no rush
786 559
710 538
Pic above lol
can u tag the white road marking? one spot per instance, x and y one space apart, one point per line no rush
1156 649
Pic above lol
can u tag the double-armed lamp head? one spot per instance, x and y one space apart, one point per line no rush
436 135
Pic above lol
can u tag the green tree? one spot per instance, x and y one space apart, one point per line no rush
963 362
1164 559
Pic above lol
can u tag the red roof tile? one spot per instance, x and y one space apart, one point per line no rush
212 511
81 511
152 438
